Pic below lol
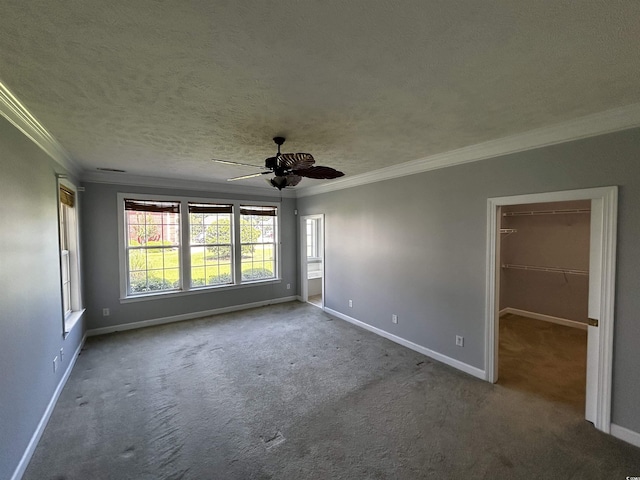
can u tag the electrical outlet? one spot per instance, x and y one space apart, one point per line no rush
288 286
459 341
105 312
350 303
55 364
394 318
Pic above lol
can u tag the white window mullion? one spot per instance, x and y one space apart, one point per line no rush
185 246
237 245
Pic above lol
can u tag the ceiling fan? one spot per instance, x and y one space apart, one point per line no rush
287 168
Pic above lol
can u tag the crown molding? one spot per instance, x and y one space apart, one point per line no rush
182 184
588 126
15 112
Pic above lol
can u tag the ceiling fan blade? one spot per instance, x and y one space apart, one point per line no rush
318 172
296 161
228 162
243 177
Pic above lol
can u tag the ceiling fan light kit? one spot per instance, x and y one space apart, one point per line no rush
287 168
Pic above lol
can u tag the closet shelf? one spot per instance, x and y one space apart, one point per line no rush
508 231
567 271
546 212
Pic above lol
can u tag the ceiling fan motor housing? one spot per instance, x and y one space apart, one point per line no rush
271 163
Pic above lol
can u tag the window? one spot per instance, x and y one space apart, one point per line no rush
66 206
211 244
173 244
312 238
153 242
258 242
69 255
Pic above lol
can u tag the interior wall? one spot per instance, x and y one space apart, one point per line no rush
560 241
315 286
101 262
416 246
30 298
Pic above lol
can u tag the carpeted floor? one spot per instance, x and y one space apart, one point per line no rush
543 359
287 392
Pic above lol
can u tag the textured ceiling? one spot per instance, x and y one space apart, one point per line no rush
159 87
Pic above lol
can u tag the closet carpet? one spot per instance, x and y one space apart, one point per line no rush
287 392
544 359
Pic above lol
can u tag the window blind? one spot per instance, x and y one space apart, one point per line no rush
67 196
151 206
255 210
209 208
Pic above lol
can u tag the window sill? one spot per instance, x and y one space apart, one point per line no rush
197 291
71 320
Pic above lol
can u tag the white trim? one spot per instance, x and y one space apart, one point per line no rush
197 291
35 438
625 434
17 114
184 184
588 126
72 320
605 200
545 318
186 316
452 362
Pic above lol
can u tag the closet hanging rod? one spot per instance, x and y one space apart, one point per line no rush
547 212
567 271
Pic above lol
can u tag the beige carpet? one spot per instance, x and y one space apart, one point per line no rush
543 359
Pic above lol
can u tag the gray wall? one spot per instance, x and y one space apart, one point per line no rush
30 301
416 246
559 241
101 267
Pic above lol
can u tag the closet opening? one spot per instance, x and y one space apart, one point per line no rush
522 273
543 300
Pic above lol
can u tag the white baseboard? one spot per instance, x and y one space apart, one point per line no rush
545 318
186 316
625 434
476 372
35 438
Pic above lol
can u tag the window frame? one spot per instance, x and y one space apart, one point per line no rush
231 245
185 246
147 248
316 241
69 236
241 244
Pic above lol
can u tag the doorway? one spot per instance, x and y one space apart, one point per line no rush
601 289
312 259
544 288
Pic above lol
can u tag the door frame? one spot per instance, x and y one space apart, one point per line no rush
602 266
304 281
